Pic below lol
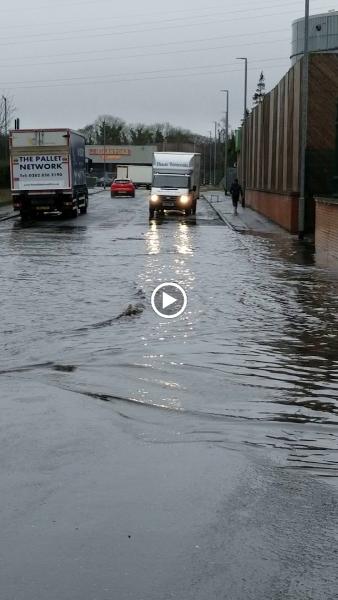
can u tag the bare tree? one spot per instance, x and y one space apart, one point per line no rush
89 133
7 110
116 131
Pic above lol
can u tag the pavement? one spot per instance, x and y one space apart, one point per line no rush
247 220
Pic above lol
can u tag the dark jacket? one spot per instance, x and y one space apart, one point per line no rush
236 191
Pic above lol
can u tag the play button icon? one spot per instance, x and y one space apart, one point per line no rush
169 300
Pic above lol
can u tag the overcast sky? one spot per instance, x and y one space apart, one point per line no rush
67 61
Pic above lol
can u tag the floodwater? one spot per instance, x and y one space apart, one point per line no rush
147 459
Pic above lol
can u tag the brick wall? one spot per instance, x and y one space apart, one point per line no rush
327 230
280 208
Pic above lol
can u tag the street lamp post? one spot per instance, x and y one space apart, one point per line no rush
104 155
226 140
215 152
210 156
204 162
244 149
304 124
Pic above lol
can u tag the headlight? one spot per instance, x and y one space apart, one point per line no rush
155 198
184 199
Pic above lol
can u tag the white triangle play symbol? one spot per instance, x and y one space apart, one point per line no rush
167 300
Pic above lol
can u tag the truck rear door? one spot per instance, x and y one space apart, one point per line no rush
40 161
122 172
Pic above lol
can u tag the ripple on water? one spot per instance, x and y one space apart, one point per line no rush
253 362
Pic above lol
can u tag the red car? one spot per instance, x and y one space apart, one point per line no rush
122 187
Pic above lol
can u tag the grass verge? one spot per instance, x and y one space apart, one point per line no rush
5 197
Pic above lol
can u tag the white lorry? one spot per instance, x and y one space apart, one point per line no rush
48 172
140 175
176 183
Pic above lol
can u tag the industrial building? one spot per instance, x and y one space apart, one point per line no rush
102 159
323 34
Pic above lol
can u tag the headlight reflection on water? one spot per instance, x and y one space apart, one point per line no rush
184 242
153 239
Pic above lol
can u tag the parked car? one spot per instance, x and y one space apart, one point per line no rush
122 187
105 181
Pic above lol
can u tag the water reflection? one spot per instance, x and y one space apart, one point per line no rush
254 359
153 239
183 240
310 354
174 262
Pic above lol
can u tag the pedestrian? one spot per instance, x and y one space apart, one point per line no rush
236 191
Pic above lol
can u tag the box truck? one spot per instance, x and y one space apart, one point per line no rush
140 175
176 182
48 172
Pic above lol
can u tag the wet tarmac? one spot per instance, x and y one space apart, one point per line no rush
147 459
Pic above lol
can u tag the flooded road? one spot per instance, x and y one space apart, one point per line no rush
147 459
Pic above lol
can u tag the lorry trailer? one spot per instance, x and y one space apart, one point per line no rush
140 175
48 172
176 183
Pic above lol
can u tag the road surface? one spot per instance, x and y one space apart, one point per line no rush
147 459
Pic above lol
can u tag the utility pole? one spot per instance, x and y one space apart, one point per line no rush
204 162
5 125
226 140
304 124
215 153
244 136
104 154
210 157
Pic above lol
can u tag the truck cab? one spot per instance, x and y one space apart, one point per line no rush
175 185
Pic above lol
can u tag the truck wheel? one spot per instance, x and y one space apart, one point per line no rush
83 209
112 195
70 214
24 214
187 212
151 213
